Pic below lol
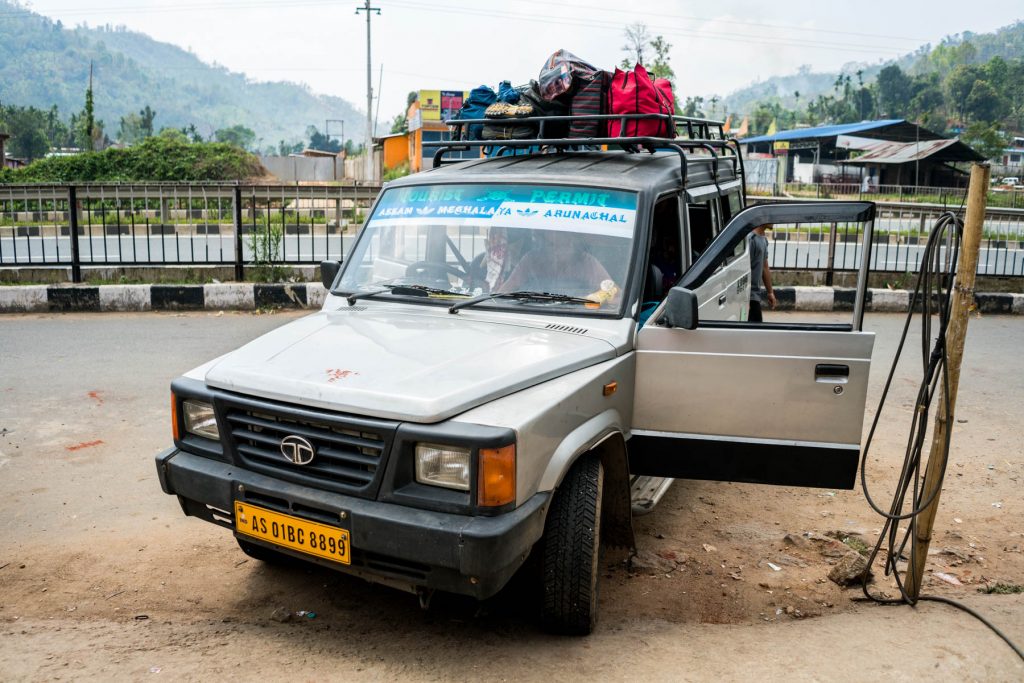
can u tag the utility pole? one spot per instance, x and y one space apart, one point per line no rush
368 144
963 299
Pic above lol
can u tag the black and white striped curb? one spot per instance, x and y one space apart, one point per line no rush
228 296
251 296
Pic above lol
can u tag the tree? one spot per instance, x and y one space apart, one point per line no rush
192 133
660 67
984 104
352 149
88 118
893 91
27 128
130 129
959 84
237 135
987 139
927 101
146 117
320 141
693 107
864 103
638 40
286 148
399 124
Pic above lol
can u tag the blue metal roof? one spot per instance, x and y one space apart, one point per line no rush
824 131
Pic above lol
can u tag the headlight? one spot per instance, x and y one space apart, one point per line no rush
200 419
446 466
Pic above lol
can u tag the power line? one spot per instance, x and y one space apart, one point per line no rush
744 38
279 4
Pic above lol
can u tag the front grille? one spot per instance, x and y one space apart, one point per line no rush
349 455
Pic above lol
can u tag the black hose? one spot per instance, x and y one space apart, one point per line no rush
934 290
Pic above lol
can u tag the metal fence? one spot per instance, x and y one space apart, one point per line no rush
172 224
900 234
156 224
945 196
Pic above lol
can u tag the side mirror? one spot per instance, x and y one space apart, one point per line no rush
329 271
681 309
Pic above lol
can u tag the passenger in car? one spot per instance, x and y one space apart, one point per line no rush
503 248
558 265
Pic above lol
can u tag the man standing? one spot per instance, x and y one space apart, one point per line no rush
761 290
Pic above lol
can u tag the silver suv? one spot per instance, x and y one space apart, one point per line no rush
518 355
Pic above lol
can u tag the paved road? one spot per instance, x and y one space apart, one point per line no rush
89 546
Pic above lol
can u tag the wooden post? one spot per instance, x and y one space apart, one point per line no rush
963 299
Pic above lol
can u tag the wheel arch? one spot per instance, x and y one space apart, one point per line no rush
601 436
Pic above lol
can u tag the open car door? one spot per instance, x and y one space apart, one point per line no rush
773 402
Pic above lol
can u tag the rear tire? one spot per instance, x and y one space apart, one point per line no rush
571 545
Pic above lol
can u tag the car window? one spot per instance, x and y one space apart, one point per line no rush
732 204
473 239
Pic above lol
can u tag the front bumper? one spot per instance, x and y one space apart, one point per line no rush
393 544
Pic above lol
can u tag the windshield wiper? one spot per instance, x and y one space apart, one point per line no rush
524 296
408 290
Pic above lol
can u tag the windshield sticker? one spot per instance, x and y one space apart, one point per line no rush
608 212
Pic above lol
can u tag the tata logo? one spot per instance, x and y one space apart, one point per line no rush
297 450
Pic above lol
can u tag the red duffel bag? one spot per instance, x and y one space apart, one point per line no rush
633 92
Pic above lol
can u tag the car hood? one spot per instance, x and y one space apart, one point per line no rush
390 363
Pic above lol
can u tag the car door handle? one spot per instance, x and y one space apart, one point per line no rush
722 299
831 373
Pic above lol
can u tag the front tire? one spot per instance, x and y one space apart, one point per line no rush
571 544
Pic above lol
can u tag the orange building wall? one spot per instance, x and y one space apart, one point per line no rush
396 151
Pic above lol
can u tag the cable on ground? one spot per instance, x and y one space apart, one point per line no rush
933 291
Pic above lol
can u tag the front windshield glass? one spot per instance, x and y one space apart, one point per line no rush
458 241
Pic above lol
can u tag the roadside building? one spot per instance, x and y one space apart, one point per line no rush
1013 156
884 152
426 117
927 163
394 149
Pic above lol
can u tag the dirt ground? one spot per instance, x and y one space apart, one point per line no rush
102 577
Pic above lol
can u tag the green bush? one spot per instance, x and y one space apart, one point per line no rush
161 158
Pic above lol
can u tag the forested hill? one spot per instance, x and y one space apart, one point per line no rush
964 48
43 63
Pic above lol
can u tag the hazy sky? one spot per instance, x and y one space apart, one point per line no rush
717 46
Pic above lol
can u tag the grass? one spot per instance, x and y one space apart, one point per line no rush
1002 589
855 543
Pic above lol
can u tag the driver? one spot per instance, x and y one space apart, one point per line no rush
558 265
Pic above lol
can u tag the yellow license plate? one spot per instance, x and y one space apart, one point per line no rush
324 541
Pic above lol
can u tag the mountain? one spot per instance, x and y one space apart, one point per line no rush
43 63
967 47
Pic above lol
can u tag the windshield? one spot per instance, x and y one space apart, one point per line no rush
458 241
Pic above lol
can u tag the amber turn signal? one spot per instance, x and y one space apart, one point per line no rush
609 388
174 418
497 478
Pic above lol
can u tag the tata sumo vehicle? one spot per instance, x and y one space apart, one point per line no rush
518 354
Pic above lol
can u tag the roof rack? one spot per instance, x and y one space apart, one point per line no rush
691 134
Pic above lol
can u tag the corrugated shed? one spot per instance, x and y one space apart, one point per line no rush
824 131
904 152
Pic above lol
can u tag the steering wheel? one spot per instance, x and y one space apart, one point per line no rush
435 271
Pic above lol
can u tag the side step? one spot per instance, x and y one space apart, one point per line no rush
645 492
